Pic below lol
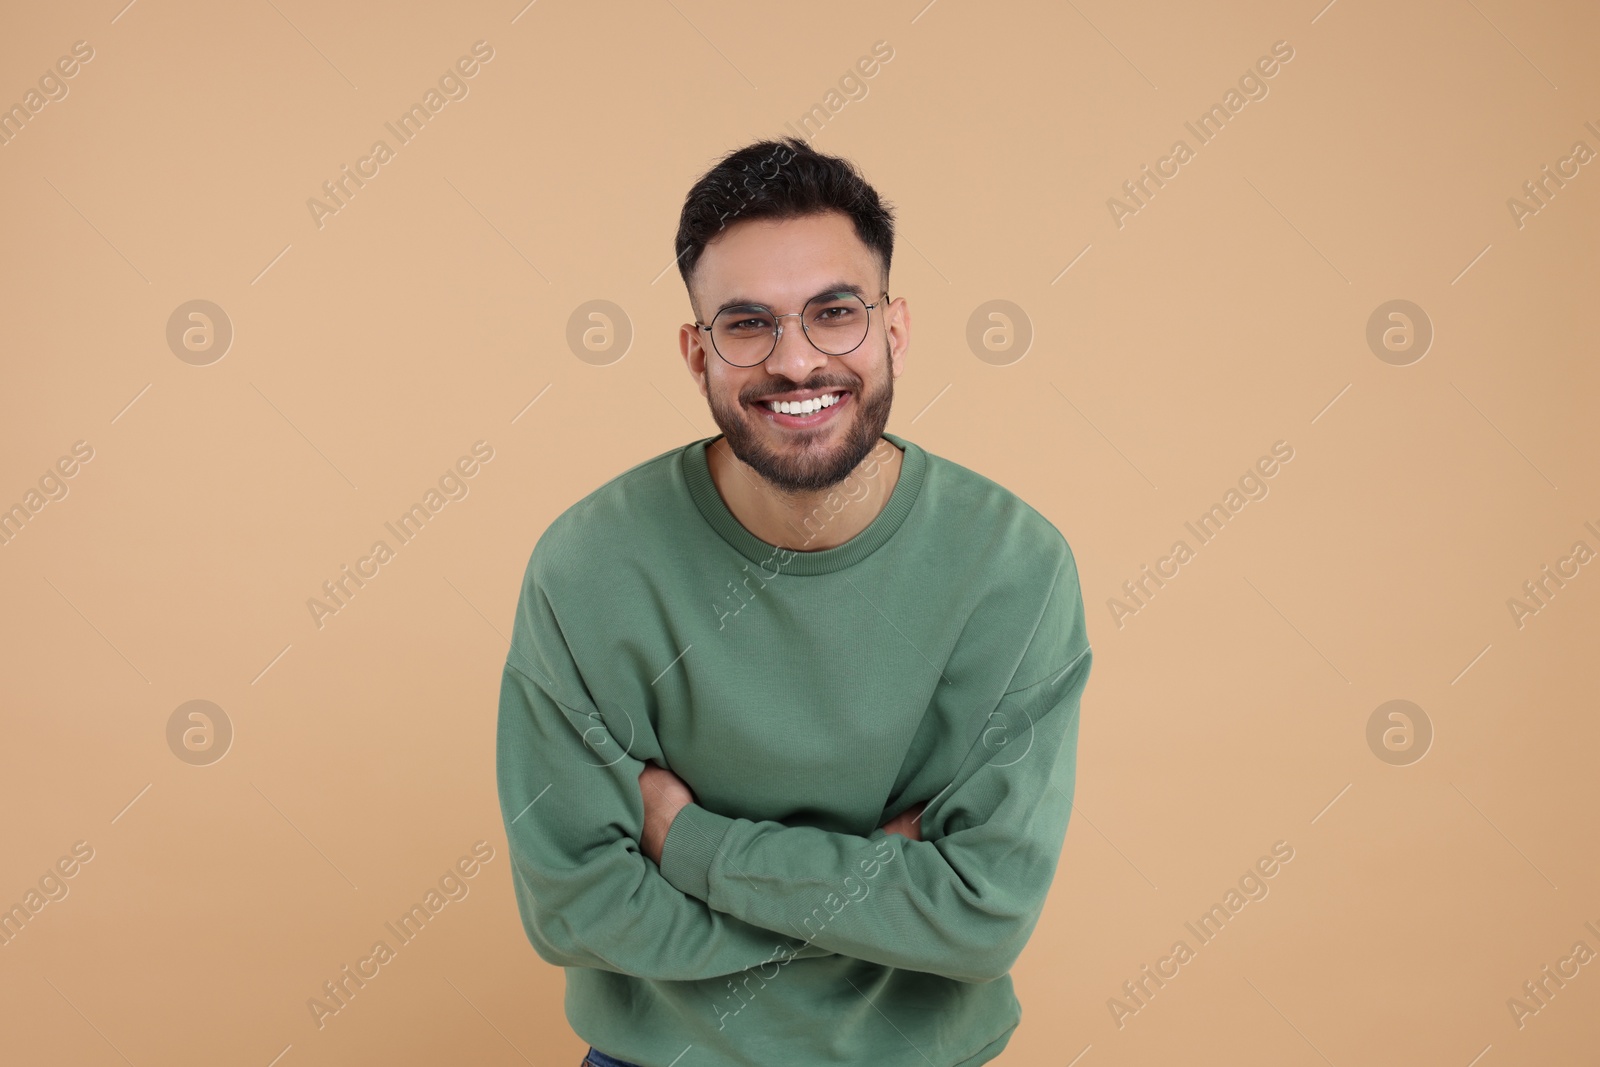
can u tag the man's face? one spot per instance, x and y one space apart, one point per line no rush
782 264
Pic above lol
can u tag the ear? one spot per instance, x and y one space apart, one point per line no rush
897 322
691 343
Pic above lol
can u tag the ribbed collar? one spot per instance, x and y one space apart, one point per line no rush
697 475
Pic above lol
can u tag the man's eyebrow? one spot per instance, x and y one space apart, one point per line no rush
836 287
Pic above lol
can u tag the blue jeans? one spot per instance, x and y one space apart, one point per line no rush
596 1058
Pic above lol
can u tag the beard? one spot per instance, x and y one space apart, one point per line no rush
806 465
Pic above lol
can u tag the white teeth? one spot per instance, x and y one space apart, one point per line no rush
803 407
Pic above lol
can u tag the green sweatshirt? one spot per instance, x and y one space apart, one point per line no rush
806 698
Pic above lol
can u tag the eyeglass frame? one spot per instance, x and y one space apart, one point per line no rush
777 327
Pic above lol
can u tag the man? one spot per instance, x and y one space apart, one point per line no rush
788 727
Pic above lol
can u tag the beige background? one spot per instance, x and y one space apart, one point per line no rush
368 354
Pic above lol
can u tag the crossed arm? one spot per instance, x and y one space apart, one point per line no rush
616 867
664 794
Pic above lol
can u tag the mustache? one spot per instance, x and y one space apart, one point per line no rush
806 388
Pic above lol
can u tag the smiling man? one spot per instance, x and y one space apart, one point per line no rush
788 727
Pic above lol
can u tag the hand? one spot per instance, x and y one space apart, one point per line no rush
908 823
664 795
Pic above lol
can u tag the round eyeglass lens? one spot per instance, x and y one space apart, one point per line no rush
835 324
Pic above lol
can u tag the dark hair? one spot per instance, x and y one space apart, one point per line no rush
782 179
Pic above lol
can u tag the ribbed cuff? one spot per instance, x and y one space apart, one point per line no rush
691 846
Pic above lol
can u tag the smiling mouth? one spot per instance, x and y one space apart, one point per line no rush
803 407
803 413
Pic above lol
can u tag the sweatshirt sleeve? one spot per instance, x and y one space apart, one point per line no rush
963 901
569 797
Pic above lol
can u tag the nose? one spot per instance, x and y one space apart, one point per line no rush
795 357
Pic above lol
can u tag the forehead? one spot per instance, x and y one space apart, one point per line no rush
783 261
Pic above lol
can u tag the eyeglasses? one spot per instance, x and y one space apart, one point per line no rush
746 334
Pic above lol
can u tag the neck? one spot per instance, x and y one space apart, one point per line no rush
806 522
